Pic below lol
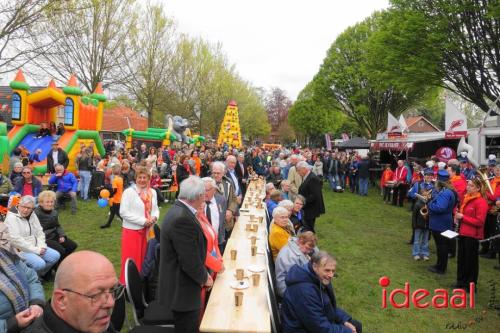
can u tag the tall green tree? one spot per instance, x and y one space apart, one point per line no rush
453 44
149 65
346 82
310 117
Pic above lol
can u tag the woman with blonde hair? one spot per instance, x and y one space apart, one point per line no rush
139 211
55 237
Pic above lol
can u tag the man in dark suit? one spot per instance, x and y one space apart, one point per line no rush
215 210
242 172
56 156
183 250
311 190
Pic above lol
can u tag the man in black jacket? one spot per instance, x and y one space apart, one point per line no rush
183 249
311 190
56 156
83 296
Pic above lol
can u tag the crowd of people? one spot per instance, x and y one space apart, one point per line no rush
181 259
187 249
456 196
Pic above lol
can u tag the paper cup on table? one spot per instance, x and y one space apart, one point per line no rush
255 279
248 227
254 250
253 240
255 227
233 254
238 298
240 274
261 219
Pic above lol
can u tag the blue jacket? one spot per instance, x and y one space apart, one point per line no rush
440 210
65 183
36 184
36 294
309 306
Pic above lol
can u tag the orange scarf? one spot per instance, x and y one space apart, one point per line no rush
494 183
468 198
455 178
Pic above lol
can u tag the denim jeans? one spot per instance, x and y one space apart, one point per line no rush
421 243
342 180
85 177
41 263
333 180
363 186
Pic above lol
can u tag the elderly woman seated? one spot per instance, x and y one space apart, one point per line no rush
21 294
26 235
55 236
280 230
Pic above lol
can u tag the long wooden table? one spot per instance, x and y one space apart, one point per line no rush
253 316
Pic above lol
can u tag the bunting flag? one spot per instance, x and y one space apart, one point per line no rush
402 123
393 125
455 121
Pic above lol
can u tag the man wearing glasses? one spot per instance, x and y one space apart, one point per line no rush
83 296
28 184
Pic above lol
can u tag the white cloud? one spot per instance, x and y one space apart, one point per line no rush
275 42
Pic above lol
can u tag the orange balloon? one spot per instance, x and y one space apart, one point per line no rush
104 194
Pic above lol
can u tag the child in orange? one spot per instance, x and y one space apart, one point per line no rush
387 175
116 198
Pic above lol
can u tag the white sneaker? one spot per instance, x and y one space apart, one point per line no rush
416 257
426 258
166 200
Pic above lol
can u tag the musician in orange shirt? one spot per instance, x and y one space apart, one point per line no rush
387 175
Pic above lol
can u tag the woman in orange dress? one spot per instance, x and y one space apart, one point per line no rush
213 262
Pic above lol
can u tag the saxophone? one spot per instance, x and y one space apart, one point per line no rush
426 196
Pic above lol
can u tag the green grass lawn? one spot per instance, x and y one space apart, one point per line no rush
369 239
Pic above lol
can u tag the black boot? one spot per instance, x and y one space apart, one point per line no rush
107 225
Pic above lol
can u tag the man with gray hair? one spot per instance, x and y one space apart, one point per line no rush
183 250
226 189
242 172
311 190
215 210
309 304
294 177
67 185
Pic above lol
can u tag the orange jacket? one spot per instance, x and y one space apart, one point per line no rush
386 176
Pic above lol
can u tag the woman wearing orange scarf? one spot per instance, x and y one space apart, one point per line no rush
139 211
213 262
470 218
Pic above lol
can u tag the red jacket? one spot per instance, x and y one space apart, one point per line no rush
400 175
472 224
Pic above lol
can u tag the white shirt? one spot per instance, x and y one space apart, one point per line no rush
235 181
55 154
214 214
191 208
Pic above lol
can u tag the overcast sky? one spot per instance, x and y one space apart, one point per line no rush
274 43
